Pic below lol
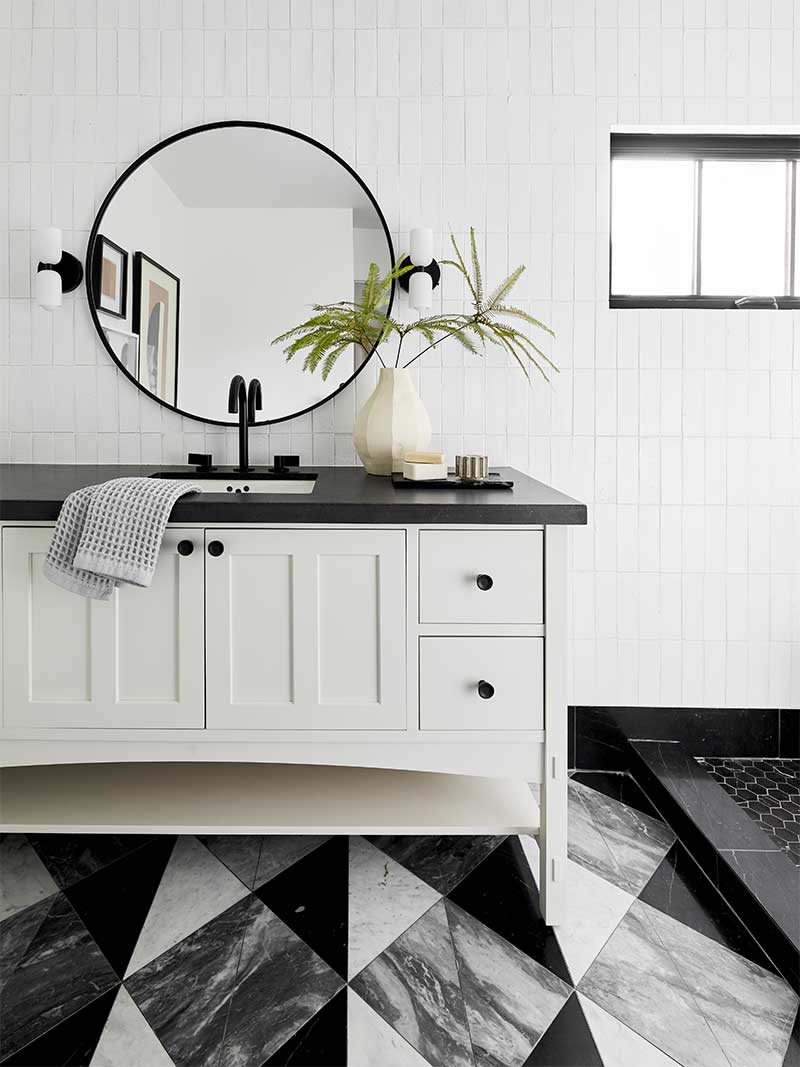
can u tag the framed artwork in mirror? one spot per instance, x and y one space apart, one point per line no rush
156 318
110 277
125 347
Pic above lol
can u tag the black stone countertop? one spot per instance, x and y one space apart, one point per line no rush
35 492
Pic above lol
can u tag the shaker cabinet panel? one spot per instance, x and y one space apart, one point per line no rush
305 629
134 661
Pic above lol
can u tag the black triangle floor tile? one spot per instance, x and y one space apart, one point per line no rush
567 1041
679 888
501 892
321 1042
113 903
311 897
442 862
70 1043
70 857
618 786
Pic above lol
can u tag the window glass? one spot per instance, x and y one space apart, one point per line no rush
743 229
652 211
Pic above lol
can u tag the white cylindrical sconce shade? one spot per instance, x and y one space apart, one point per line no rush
421 252
49 244
420 290
48 289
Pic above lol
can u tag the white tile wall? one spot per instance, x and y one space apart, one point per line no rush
681 430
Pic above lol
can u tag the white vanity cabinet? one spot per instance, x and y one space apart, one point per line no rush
305 629
134 661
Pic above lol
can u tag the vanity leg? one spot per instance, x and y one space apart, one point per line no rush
553 814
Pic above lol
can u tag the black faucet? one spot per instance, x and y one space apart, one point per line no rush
244 400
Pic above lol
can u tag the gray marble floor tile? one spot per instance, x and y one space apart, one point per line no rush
234 991
278 853
239 853
510 999
384 899
24 879
440 861
414 986
194 888
635 842
635 979
50 968
749 1009
127 1040
371 1042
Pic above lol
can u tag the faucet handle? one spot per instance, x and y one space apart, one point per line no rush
280 464
202 461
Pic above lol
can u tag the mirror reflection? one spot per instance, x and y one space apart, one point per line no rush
216 243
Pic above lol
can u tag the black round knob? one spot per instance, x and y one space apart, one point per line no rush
484 581
485 690
215 548
185 548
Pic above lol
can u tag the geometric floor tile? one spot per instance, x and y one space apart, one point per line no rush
622 845
594 909
679 888
510 999
69 1042
70 857
311 898
618 1045
619 786
24 879
501 892
440 861
256 859
193 889
384 900
371 1041
278 853
49 968
321 1042
636 980
567 1041
127 1040
234 991
414 985
114 901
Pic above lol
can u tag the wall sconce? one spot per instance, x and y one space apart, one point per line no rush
420 282
58 271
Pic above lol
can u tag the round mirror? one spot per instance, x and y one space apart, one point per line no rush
215 242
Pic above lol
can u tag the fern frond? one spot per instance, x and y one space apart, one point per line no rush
476 268
504 288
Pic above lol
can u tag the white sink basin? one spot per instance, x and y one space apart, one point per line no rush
255 485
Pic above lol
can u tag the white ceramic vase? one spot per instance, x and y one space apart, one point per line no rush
392 422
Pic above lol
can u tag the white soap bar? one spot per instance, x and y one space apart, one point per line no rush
424 457
424 472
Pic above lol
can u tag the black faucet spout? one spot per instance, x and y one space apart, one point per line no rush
237 404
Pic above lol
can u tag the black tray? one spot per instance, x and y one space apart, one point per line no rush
492 481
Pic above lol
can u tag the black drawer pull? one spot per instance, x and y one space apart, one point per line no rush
215 548
484 581
185 548
485 690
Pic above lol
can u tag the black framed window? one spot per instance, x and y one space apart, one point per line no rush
705 220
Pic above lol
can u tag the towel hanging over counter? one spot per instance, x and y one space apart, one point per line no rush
110 534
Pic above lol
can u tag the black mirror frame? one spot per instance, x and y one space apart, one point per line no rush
142 159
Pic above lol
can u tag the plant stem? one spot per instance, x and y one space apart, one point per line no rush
399 346
433 344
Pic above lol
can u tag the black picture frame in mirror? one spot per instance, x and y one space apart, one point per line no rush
95 235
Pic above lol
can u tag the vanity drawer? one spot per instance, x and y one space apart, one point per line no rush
480 576
451 670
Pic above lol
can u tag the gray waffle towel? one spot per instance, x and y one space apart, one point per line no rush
111 533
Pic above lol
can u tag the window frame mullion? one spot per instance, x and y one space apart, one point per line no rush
697 229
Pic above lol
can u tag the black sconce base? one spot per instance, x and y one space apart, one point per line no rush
433 269
70 268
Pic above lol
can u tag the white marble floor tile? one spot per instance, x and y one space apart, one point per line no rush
618 1045
749 1009
636 980
594 909
24 879
371 1042
384 900
127 1040
194 888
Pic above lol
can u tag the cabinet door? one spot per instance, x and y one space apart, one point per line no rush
305 629
135 660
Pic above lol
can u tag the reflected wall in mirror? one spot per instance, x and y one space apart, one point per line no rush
234 230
